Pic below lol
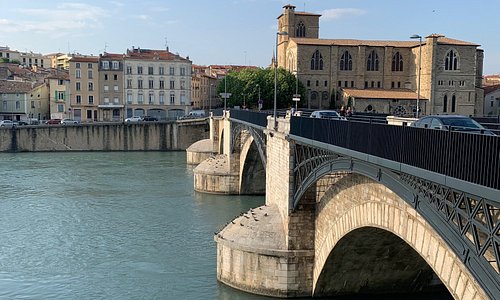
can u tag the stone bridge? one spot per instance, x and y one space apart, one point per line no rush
354 208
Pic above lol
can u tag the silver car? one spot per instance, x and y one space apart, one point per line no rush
7 123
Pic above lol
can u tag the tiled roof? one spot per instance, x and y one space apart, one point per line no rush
402 94
382 43
114 56
91 59
491 88
148 54
58 74
11 87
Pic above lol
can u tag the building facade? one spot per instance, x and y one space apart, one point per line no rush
381 76
111 101
492 100
21 100
157 83
59 92
84 88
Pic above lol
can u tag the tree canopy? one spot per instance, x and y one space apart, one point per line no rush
244 86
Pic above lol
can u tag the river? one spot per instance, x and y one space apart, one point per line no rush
110 225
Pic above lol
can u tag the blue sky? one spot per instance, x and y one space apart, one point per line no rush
237 32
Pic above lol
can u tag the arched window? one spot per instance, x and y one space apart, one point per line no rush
324 96
445 103
397 62
317 61
451 60
314 96
346 61
300 31
372 62
453 103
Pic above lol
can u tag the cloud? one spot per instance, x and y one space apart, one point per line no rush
60 20
159 9
338 13
117 3
143 17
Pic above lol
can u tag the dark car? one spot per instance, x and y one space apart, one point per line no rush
149 119
451 122
54 121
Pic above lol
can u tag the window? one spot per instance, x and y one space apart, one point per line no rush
183 97
89 65
162 70
151 83
78 65
392 85
115 77
397 62
372 61
399 84
317 82
300 30
378 84
326 83
451 61
129 69
78 74
4 105
32 104
105 76
150 70
346 61
78 99
373 84
115 88
352 83
91 86
106 100
339 83
60 108
105 65
139 83
172 84
309 83
129 83
172 98
317 61
139 70
162 98
183 84
106 88
60 95
116 65
18 104
366 84
129 97
91 99
78 86
90 74
140 98
345 83
183 71
151 98
61 82
172 71
116 100
461 83
162 84
445 103
440 82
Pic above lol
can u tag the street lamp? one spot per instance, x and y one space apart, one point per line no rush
259 102
210 97
276 76
416 36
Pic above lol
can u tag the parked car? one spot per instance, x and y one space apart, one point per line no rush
7 123
69 121
133 119
326 114
22 123
53 121
149 119
451 122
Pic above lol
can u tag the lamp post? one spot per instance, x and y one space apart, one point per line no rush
416 36
276 76
259 101
210 97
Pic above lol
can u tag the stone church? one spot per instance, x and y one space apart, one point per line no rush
381 76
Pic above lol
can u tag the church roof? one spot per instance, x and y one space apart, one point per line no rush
402 94
378 43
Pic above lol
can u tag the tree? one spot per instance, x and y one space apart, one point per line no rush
244 87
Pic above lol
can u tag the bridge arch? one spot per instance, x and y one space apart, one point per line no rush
355 205
252 168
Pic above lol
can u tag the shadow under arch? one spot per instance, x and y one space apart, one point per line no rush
370 260
253 171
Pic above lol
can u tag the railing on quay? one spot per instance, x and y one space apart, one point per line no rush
473 158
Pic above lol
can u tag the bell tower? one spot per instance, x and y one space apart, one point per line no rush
298 24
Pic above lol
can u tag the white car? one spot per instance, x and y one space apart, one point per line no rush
69 121
134 119
7 123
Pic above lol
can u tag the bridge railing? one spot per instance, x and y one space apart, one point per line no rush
473 158
253 117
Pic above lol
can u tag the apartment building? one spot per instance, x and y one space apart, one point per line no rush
59 94
111 100
84 96
157 83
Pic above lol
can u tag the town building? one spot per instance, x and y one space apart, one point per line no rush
203 88
492 100
21 100
381 76
157 83
59 92
84 87
111 100
491 80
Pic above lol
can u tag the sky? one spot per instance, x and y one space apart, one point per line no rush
236 32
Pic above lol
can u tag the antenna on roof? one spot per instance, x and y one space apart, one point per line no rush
166 44
105 47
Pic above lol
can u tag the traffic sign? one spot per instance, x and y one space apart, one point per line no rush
225 95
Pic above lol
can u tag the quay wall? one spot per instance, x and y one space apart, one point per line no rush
157 136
